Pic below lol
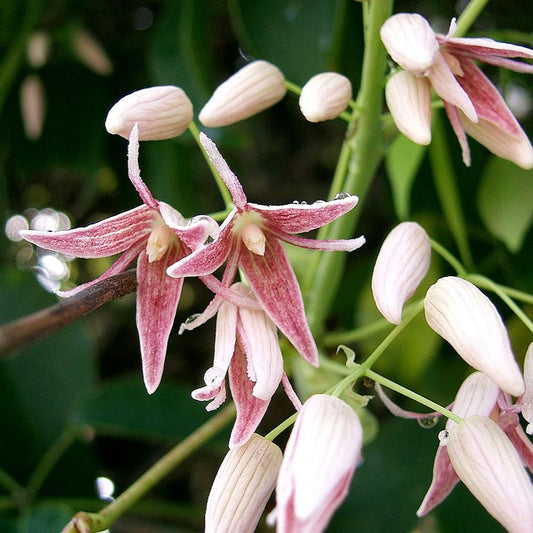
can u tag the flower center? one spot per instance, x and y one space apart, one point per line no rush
158 243
248 227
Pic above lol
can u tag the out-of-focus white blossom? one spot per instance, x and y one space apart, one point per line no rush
38 49
488 464
249 91
460 313
32 106
162 112
325 96
91 53
402 263
242 486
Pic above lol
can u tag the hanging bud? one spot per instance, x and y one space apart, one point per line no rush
460 313
526 401
91 52
32 106
249 91
325 96
38 49
320 458
242 487
162 112
402 263
490 467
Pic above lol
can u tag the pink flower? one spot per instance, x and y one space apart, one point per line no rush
158 236
447 64
250 239
246 345
318 464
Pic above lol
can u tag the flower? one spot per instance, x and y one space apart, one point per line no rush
242 486
246 344
526 401
473 104
161 112
460 313
254 88
487 463
325 96
158 236
402 263
250 239
318 464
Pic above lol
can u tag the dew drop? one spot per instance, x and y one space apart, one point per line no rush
428 422
191 318
443 438
341 196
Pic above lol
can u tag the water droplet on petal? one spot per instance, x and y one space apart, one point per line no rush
191 318
428 422
296 202
214 376
443 438
319 202
341 196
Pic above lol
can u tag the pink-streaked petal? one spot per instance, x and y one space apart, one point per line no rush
290 392
458 129
215 395
331 245
509 422
116 268
446 85
250 409
444 480
157 300
396 410
134 172
275 285
300 218
225 336
230 179
107 237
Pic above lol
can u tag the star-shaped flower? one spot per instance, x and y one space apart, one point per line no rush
447 64
158 236
250 239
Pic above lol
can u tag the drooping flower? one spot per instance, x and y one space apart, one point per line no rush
447 64
402 263
242 486
318 464
246 346
254 88
250 239
158 236
488 464
325 96
460 313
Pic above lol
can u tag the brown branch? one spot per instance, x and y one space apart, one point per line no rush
31 328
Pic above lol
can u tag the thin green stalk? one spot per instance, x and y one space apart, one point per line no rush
281 428
448 257
10 483
447 190
469 16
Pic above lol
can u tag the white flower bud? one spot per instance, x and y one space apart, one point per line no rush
527 400
32 105
38 49
488 464
325 96
409 101
162 112
242 487
91 53
249 91
402 263
460 313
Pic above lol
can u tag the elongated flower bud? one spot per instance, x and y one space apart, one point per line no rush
527 400
487 463
460 313
242 486
32 105
402 263
162 112
325 96
320 458
249 91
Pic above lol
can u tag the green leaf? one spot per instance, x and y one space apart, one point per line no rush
505 201
402 162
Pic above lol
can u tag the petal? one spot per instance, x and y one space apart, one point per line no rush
230 179
157 300
401 265
410 41
409 101
225 336
300 218
274 284
510 424
460 313
326 245
458 129
108 237
526 401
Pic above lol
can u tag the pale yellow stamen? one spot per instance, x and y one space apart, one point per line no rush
254 239
158 242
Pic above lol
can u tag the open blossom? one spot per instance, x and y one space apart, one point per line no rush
158 236
402 263
447 64
251 239
243 484
318 464
460 313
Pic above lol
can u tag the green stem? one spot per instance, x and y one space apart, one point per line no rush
410 394
282 427
360 156
99 521
449 258
10 484
447 190
469 16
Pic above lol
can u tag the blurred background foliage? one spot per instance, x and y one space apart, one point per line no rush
78 396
